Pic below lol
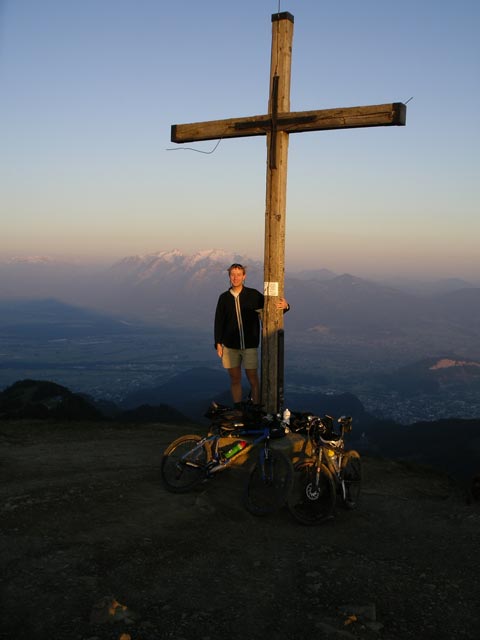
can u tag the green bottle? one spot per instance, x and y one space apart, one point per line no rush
237 447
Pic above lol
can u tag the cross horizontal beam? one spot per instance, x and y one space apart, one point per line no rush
381 115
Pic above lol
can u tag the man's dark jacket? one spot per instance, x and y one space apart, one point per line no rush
226 324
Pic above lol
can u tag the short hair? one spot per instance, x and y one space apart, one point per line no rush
236 265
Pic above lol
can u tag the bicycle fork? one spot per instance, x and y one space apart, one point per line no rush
266 464
313 488
341 478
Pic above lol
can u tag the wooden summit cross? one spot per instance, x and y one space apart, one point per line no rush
276 125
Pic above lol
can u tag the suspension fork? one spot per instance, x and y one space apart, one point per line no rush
340 476
265 455
318 467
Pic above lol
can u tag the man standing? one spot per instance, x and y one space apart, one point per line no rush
237 332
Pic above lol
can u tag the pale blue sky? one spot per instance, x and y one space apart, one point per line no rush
90 88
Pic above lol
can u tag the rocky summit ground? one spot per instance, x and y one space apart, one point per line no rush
94 548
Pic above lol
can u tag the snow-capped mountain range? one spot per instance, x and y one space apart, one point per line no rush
175 288
175 264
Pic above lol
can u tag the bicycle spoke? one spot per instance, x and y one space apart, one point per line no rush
183 464
312 498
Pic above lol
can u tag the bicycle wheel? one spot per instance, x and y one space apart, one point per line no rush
183 463
352 479
269 483
312 500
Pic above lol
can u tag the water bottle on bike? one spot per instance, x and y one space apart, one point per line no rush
232 451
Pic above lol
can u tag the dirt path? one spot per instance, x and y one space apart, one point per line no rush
85 518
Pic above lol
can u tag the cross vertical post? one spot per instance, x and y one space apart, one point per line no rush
277 125
275 214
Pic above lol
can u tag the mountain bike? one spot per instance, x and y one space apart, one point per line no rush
192 459
328 473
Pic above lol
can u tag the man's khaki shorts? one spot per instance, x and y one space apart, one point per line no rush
236 357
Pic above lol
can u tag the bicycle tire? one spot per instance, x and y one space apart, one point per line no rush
177 476
352 479
308 503
269 484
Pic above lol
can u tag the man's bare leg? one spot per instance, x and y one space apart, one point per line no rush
236 383
252 376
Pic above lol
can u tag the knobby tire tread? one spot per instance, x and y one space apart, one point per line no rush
352 477
176 476
309 503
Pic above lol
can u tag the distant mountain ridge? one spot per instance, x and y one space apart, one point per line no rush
171 289
434 376
33 399
177 289
175 261
208 264
52 319
423 443
44 400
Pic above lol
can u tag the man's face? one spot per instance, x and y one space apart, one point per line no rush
236 277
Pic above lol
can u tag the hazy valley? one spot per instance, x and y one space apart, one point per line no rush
408 352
